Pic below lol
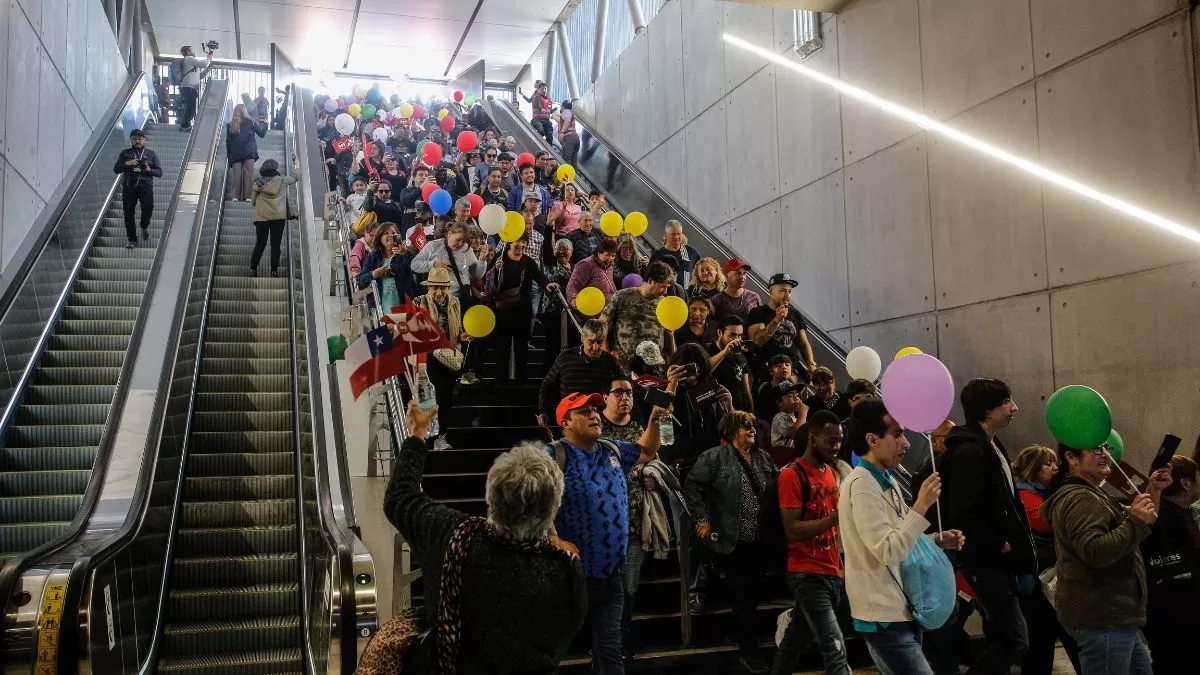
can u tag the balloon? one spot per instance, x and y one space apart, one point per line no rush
672 312
476 204
341 103
610 224
373 94
406 110
590 301
636 223
491 219
479 321
344 124
918 392
514 227
431 154
421 146
467 141
631 281
565 173
862 363
418 111
351 99
355 110
906 352
427 190
368 112
1079 417
330 105
470 100
524 158
440 202
1116 446
442 114
447 124
380 135
360 91
458 97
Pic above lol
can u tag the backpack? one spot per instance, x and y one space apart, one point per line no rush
560 452
175 72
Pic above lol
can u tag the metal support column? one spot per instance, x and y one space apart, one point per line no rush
564 49
639 19
601 33
806 32
110 10
551 56
136 48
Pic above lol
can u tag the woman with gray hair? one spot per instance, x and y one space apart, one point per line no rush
553 311
502 594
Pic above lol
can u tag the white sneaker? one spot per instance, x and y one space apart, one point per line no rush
469 378
441 443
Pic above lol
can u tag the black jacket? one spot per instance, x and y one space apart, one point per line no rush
519 611
242 145
132 176
976 498
385 212
572 372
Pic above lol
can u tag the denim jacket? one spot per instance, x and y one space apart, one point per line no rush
713 490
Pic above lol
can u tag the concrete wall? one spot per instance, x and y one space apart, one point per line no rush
900 237
61 73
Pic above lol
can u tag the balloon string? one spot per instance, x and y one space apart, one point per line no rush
1117 464
937 505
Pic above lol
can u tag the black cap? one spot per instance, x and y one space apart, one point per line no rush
137 132
782 278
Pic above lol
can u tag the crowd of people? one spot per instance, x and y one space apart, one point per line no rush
725 433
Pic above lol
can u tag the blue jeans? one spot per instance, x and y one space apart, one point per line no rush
896 650
1111 651
635 556
819 598
605 600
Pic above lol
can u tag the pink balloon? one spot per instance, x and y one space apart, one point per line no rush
918 392
631 281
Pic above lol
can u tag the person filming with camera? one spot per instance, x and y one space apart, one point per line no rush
191 72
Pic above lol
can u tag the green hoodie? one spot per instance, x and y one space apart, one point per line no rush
1101 578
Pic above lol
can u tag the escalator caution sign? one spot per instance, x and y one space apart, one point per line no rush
48 628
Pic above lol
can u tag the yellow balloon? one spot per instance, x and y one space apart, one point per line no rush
566 173
354 109
514 227
906 351
479 321
442 114
590 301
406 110
360 91
610 223
636 223
672 312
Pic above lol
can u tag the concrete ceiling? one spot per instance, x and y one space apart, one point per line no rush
390 37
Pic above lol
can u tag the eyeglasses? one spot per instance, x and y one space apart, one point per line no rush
621 393
491 156
383 192
750 425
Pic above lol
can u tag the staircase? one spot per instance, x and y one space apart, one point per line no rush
50 446
234 603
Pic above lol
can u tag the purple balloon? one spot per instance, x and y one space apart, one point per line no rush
918 392
330 105
631 280
350 98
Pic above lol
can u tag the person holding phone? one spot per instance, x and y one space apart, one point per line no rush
138 167
389 263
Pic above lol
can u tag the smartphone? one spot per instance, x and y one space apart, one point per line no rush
691 369
1170 444
659 398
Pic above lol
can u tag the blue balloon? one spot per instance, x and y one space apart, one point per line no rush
440 202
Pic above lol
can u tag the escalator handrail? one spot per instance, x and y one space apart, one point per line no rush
14 568
335 534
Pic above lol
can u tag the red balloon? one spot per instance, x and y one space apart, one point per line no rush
467 141
458 96
431 154
428 189
341 103
525 158
448 123
418 112
476 204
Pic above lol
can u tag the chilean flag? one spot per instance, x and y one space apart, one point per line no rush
378 355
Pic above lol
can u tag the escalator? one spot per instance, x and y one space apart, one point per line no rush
234 603
56 425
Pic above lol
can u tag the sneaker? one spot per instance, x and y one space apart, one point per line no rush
441 443
753 664
275 272
696 602
469 378
253 271
131 244
145 234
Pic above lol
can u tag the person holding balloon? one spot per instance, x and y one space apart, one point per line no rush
632 314
594 271
629 264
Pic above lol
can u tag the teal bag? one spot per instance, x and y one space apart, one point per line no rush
928 583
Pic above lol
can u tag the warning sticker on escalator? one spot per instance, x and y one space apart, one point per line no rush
48 628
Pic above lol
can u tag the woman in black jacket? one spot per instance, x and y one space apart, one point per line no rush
242 150
509 287
389 264
502 595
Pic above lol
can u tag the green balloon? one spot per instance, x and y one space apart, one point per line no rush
421 145
469 100
368 112
1116 446
1079 417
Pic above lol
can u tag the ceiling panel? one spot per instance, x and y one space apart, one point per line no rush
396 61
536 13
171 38
262 18
455 10
491 38
189 14
388 29
326 4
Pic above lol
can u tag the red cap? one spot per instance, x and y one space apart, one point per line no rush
736 264
576 401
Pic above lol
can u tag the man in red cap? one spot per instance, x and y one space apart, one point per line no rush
594 515
735 300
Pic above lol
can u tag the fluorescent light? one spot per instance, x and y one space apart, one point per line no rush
963 138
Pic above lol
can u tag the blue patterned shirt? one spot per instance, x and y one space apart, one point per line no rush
595 506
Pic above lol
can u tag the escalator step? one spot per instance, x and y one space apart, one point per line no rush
249 321
86 327
258 512
273 662
68 376
235 541
244 383
27 536
232 422
242 464
53 394
102 343
249 569
25 436
247 635
106 299
244 401
59 508
84 358
238 488
257 366
254 294
43 483
62 414
47 458
233 602
241 334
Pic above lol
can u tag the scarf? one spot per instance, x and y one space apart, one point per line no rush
452 308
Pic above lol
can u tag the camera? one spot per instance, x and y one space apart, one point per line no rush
210 46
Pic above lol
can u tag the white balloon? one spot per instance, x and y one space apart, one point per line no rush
491 219
380 135
862 363
344 124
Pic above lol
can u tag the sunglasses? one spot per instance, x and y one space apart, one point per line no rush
383 192
491 156
749 426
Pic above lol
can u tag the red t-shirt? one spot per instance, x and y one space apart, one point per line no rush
818 555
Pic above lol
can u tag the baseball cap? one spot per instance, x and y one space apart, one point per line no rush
531 194
650 353
782 278
576 401
736 264
137 132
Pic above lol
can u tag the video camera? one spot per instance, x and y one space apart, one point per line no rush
210 46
